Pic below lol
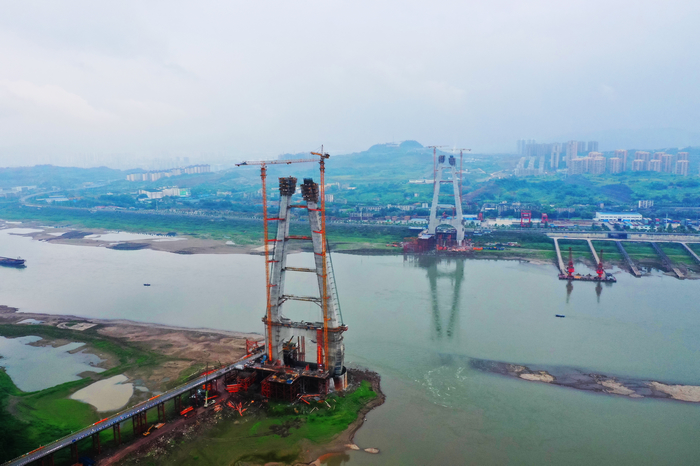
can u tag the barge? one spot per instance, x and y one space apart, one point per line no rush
10 262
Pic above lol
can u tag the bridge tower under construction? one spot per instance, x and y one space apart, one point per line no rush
446 171
287 368
287 340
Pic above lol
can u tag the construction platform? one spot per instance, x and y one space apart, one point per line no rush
607 278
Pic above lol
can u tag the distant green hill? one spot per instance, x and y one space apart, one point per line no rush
46 176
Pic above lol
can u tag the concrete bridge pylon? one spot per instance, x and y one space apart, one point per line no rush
446 172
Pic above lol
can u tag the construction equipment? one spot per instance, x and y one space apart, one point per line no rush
443 165
282 350
263 176
600 270
570 267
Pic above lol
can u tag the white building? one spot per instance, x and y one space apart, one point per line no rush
618 217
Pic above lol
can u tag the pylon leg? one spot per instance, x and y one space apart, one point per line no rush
74 452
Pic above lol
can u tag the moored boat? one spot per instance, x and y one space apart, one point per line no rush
10 262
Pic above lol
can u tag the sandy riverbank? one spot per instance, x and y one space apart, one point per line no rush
187 350
179 244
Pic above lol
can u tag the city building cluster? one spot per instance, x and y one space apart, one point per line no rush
156 175
579 157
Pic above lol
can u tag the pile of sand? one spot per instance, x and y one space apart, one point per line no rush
678 392
541 376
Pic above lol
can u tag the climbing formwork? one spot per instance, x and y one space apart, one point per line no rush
445 170
286 340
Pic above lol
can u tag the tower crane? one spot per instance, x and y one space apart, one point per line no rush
322 156
461 171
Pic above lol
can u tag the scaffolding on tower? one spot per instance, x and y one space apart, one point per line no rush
286 352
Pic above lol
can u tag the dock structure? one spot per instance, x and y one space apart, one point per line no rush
595 254
633 268
666 261
562 266
691 252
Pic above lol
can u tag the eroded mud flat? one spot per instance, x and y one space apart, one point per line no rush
106 395
579 380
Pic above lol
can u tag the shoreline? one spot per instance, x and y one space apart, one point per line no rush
187 245
159 340
178 350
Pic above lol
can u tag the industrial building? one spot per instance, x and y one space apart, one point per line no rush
618 217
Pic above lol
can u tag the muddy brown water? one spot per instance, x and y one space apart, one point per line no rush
417 322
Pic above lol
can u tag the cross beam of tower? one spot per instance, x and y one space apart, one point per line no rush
280 331
445 169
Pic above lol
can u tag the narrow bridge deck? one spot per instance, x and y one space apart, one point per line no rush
595 254
67 441
666 261
633 268
562 267
691 252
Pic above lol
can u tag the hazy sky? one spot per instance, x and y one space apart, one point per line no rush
257 78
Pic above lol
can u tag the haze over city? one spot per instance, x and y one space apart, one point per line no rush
119 83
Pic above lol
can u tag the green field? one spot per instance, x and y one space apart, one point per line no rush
579 249
678 255
275 434
241 231
610 252
29 420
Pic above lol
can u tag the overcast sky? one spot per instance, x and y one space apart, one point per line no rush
258 78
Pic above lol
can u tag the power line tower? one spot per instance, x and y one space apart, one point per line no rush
445 171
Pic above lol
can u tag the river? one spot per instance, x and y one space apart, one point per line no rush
417 322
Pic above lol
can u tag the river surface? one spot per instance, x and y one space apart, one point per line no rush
417 322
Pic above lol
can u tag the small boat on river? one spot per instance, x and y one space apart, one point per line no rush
10 262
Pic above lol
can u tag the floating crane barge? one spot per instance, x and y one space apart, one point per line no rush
600 276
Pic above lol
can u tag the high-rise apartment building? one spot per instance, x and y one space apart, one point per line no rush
571 151
638 165
555 156
682 167
596 163
578 166
667 163
654 165
622 154
592 146
682 156
615 165
644 157
658 155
